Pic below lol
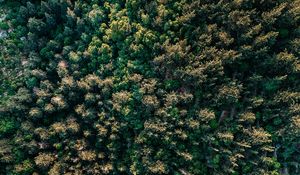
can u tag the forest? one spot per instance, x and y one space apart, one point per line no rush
149 87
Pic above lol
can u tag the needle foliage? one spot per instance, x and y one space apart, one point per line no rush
146 87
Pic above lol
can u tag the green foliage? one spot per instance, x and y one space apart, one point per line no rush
4 26
149 87
7 126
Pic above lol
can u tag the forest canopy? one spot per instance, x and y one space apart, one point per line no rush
150 87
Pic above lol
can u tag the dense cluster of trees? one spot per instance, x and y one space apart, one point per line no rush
150 87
